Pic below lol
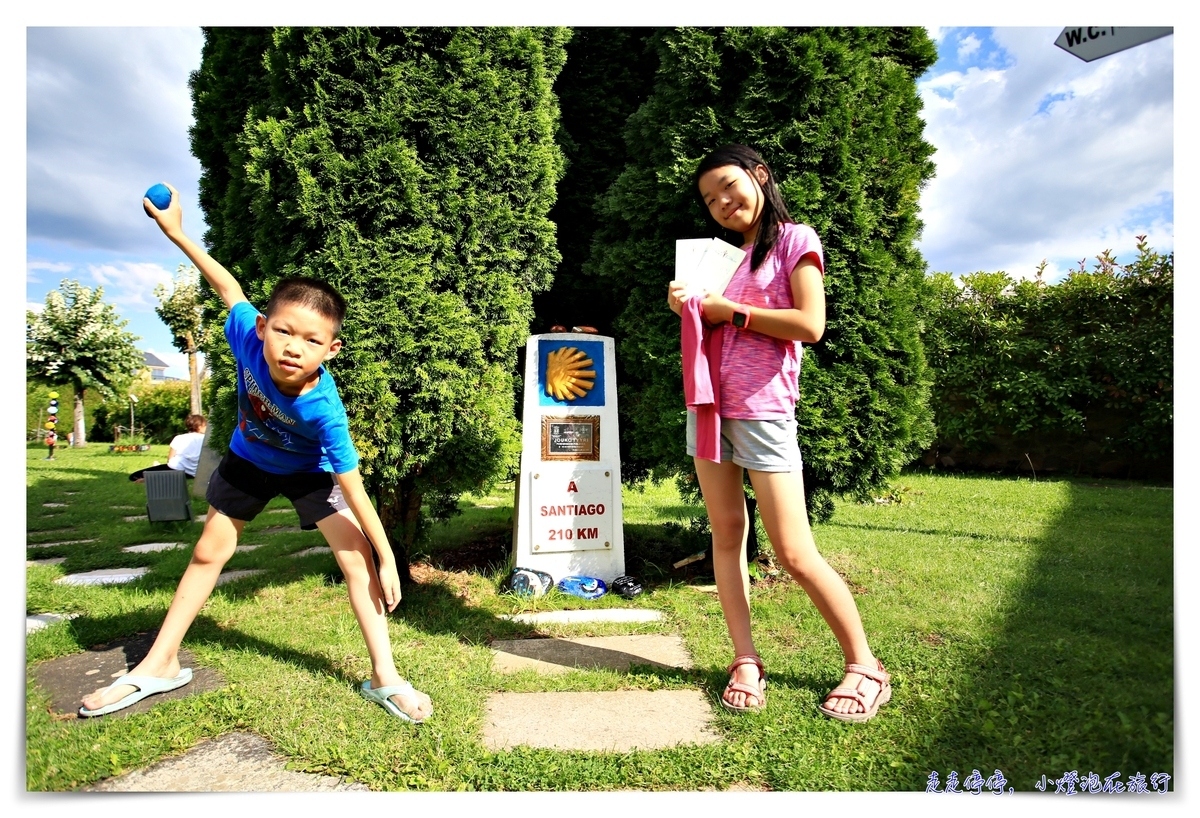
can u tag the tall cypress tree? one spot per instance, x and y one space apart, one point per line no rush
834 112
413 169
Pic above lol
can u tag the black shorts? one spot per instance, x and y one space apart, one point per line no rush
240 490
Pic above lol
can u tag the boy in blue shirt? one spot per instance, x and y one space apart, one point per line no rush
292 438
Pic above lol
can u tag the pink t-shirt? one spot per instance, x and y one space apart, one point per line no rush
760 375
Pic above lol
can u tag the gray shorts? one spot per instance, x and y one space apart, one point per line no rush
240 490
760 445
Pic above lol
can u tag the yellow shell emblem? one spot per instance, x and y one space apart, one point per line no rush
568 375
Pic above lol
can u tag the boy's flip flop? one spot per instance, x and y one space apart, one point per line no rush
146 686
382 696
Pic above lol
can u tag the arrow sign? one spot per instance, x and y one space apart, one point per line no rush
1093 42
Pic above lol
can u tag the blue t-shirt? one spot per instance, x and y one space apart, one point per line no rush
280 433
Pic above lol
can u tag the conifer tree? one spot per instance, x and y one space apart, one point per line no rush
413 169
834 112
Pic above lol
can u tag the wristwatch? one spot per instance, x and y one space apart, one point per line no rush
741 317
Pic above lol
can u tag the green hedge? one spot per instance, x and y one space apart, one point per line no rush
1073 376
162 411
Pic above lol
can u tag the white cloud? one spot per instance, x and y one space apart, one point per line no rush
130 283
1048 157
33 306
967 46
32 268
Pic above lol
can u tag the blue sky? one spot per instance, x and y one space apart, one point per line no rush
1039 156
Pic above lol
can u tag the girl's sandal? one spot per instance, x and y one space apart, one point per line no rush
759 693
882 696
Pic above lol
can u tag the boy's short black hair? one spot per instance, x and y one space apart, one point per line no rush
313 293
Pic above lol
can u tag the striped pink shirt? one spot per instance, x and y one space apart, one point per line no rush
760 375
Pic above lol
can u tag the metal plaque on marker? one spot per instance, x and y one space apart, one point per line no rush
571 438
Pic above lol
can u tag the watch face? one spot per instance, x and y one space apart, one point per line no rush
739 319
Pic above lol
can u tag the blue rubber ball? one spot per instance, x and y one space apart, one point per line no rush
159 196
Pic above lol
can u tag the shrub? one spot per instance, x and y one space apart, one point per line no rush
160 413
1075 375
835 113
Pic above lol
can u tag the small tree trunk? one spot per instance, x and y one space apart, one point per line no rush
400 513
193 374
80 440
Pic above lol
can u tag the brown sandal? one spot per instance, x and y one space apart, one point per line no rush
759 692
884 694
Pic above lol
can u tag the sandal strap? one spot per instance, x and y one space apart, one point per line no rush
878 674
747 659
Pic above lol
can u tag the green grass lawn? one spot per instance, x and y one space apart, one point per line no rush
1028 627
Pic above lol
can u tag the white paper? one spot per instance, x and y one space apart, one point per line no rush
706 265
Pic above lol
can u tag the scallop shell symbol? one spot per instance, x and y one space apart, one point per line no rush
568 375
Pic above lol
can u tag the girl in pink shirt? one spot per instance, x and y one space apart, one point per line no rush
774 302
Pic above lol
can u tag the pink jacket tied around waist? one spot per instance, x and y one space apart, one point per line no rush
702 378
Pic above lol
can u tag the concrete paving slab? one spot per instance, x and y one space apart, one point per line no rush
248 547
52 544
613 721
281 529
51 561
281 511
35 622
201 518
124 508
54 505
572 617
230 576
154 546
308 552
135 518
612 652
235 762
68 679
103 576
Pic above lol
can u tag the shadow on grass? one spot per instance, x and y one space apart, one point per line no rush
1080 676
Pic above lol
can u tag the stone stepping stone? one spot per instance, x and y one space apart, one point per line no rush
54 505
52 544
308 552
241 549
103 576
51 561
616 721
280 529
612 652
67 679
572 617
154 546
281 511
35 622
231 576
235 762
136 518
124 508
201 518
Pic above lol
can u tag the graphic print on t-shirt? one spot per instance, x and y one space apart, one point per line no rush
260 419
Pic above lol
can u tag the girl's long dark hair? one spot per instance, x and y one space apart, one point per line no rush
774 210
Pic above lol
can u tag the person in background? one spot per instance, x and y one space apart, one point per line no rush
184 452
